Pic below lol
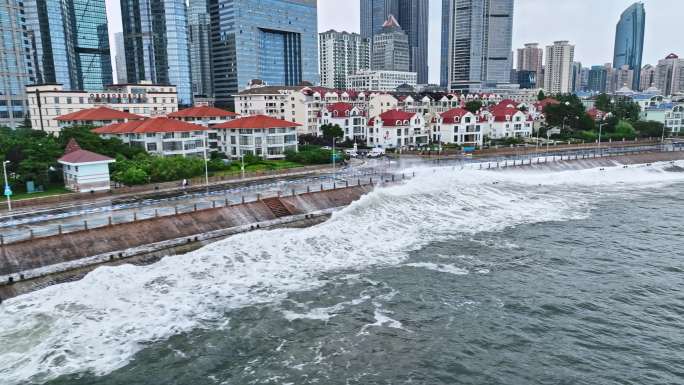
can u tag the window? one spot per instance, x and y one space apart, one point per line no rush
151 146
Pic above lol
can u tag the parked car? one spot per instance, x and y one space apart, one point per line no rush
376 152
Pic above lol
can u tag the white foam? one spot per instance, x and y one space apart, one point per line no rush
442 268
98 323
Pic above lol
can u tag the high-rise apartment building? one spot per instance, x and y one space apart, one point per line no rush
629 41
342 54
597 79
623 77
558 69
120 58
647 77
576 76
71 42
199 37
390 48
530 58
412 16
478 36
669 76
272 40
16 64
156 44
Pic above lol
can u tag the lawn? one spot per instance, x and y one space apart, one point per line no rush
264 165
53 190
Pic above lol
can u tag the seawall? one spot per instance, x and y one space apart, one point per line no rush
31 264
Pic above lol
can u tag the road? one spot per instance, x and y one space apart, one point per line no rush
101 213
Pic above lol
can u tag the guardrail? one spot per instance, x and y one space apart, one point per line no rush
227 199
232 199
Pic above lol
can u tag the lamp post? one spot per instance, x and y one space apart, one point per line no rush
206 161
8 191
603 121
333 158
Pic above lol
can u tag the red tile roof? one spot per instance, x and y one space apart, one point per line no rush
149 126
339 109
506 102
540 105
257 121
74 154
98 114
393 115
201 112
449 117
501 111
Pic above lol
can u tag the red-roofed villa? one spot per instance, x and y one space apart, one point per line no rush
259 135
458 126
397 129
162 136
98 116
351 119
84 171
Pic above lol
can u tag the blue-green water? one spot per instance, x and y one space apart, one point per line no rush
471 278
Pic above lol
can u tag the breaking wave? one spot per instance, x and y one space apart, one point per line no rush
98 323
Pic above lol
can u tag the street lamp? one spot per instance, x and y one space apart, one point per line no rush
333 158
8 191
603 121
206 161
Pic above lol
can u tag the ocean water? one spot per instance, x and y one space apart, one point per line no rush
455 277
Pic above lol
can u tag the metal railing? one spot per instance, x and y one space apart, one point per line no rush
212 202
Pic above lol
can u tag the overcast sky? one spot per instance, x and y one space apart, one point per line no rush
588 24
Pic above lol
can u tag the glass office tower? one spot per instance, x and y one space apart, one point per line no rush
71 42
200 49
272 40
629 40
412 16
156 44
478 39
16 67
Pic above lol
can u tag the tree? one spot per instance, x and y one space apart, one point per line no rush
568 113
649 129
540 95
332 131
603 103
473 106
624 129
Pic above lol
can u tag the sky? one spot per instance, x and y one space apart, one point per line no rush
588 24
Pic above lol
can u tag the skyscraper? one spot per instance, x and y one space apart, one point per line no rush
272 40
342 54
647 77
576 76
530 58
558 69
669 75
412 16
390 48
16 67
597 79
156 42
71 42
120 58
200 48
413 19
629 40
478 42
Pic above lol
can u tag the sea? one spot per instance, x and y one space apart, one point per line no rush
453 277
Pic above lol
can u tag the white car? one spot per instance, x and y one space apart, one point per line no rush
376 152
352 153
